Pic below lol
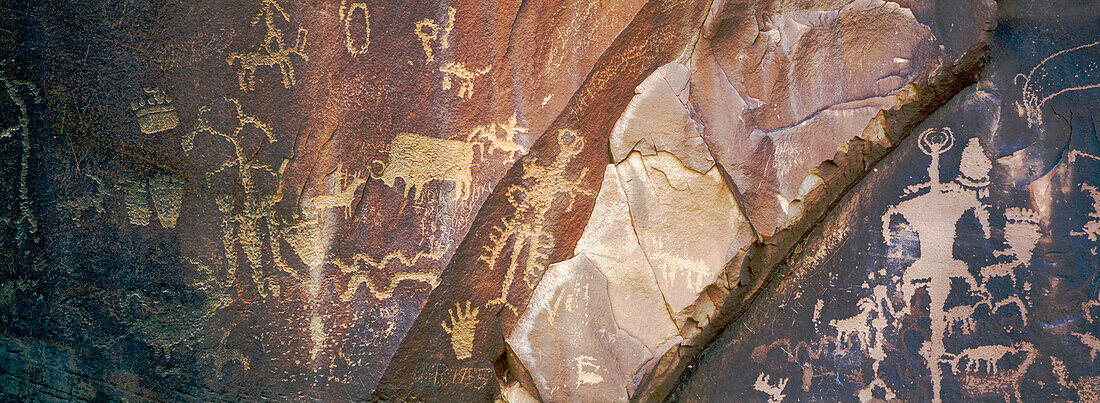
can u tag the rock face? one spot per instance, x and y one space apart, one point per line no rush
963 268
548 200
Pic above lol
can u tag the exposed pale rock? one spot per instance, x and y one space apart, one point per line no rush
569 341
687 223
611 244
801 87
659 119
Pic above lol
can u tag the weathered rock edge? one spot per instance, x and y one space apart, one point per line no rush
764 260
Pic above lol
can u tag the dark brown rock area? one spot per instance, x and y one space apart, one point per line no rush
555 200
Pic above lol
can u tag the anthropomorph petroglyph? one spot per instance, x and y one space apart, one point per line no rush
462 328
356 44
17 91
272 51
245 221
504 140
464 76
525 231
155 113
428 31
933 210
1073 69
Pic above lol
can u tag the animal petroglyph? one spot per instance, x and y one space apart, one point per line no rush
16 91
272 51
465 77
463 328
504 140
155 114
428 31
587 370
775 392
347 14
349 185
1073 69
362 277
420 159
542 184
985 375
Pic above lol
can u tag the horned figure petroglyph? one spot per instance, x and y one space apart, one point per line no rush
272 51
933 211
1050 78
934 215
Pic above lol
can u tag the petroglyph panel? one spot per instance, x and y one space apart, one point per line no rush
177 225
957 270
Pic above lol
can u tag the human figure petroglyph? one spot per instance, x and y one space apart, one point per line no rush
502 140
272 50
249 61
1045 81
464 75
542 184
420 159
428 31
462 328
933 211
347 14
243 222
934 215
